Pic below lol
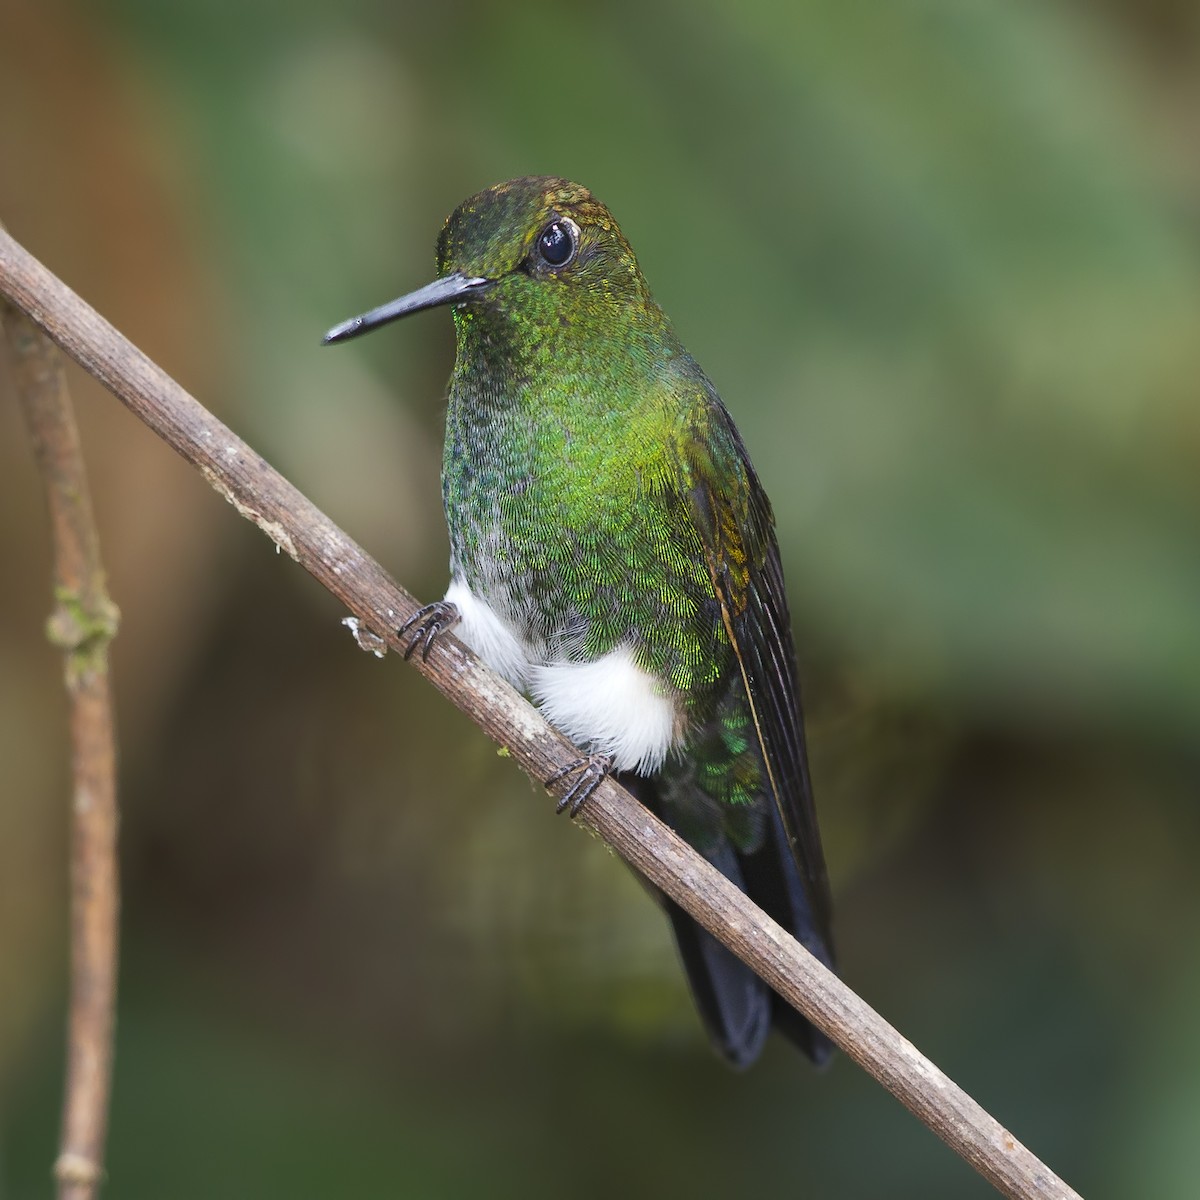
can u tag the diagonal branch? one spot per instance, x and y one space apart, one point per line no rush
83 623
296 526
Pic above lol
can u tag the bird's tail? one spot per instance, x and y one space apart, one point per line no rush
737 1008
773 883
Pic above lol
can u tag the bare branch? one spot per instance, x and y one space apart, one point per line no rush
295 525
83 623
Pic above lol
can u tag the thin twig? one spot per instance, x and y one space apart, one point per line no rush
297 527
83 623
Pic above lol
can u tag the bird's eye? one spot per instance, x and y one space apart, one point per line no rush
558 242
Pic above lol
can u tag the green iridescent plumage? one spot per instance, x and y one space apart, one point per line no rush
603 514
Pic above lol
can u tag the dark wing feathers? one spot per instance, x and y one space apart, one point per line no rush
736 525
764 642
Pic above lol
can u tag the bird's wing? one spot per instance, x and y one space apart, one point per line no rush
737 529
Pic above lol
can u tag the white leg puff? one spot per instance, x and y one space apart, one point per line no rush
611 707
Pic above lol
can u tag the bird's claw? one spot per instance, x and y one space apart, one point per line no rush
426 625
590 771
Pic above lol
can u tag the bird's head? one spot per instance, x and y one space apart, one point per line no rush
531 252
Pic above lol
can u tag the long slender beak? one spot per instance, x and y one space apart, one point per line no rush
446 290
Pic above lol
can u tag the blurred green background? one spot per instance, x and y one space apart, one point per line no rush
943 262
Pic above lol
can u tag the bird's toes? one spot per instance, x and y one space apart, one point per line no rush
583 776
425 626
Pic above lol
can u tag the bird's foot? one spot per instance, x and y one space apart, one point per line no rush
589 773
425 626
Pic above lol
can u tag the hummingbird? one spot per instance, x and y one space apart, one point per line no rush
613 555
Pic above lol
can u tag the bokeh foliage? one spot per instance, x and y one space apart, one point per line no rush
943 262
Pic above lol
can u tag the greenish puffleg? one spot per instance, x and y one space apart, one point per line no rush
613 555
